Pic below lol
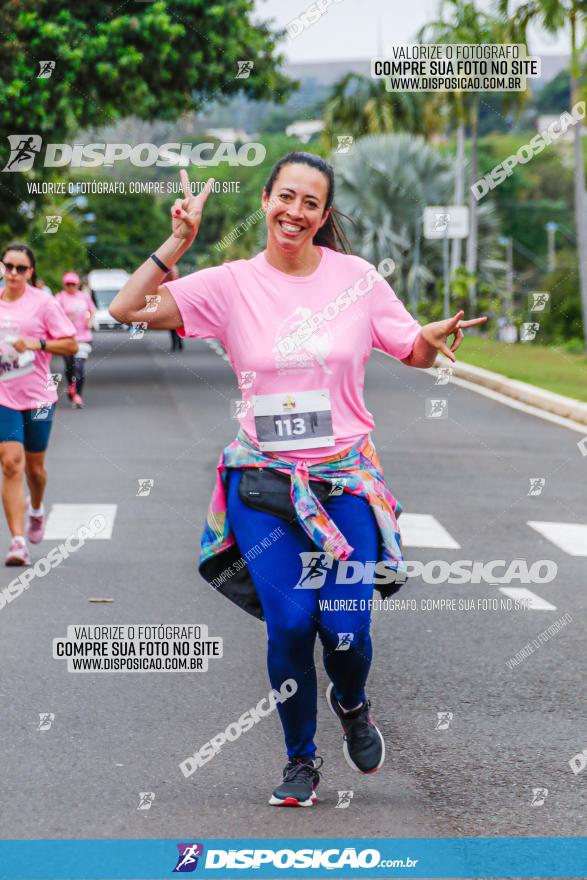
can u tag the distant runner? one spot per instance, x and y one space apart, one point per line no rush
32 328
80 309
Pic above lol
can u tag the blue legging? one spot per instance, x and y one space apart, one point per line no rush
295 616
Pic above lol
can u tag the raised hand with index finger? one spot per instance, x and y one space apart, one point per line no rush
186 212
437 333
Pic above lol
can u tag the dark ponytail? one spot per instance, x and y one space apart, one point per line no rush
331 235
25 249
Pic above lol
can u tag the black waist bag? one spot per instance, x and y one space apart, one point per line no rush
267 489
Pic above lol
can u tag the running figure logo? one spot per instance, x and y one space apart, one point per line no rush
145 487
337 487
529 331
187 860
245 68
441 222
46 68
344 641
53 222
443 375
137 330
52 381
344 800
146 799
24 148
539 301
539 795
46 719
344 143
153 300
239 408
247 377
443 720
315 566
436 408
537 484
41 411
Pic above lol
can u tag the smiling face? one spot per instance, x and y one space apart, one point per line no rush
295 207
18 271
71 287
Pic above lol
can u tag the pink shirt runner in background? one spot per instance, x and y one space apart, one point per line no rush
24 380
76 306
255 311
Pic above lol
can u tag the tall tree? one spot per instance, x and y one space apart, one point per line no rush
361 106
150 60
383 185
553 16
459 21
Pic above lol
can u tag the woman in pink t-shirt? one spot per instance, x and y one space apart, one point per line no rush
79 308
32 328
298 322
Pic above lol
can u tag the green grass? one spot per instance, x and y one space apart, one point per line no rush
548 368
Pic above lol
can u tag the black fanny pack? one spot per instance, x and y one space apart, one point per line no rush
267 489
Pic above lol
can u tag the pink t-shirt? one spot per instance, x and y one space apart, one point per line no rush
289 333
24 378
77 306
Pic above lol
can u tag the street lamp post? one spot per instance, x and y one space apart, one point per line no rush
508 242
445 267
551 229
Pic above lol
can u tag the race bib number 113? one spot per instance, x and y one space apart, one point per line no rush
296 420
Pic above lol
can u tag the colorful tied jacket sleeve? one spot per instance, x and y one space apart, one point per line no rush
357 469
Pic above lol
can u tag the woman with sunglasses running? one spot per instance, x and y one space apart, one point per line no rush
284 318
80 309
32 328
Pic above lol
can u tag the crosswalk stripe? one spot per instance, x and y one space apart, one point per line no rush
64 519
424 530
570 537
536 603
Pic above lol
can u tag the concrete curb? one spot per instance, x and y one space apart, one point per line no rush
566 407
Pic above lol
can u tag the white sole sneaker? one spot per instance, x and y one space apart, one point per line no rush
293 802
345 745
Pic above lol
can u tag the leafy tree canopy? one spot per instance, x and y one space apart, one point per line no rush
149 60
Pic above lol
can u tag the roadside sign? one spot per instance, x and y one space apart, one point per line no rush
448 221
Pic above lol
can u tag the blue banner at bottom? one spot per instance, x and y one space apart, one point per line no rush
418 857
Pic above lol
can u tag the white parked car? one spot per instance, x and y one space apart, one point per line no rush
105 284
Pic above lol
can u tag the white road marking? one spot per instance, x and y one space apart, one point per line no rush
64 519
570 537
536 603
424 530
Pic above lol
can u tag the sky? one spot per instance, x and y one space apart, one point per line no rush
352 29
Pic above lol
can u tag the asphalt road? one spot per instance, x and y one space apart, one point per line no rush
154 415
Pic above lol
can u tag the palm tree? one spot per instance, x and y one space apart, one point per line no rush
460 21
554 15
360 106
384 184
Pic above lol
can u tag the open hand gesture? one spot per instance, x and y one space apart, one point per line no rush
437 333
186 213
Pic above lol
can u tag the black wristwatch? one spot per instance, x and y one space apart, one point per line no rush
43 343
